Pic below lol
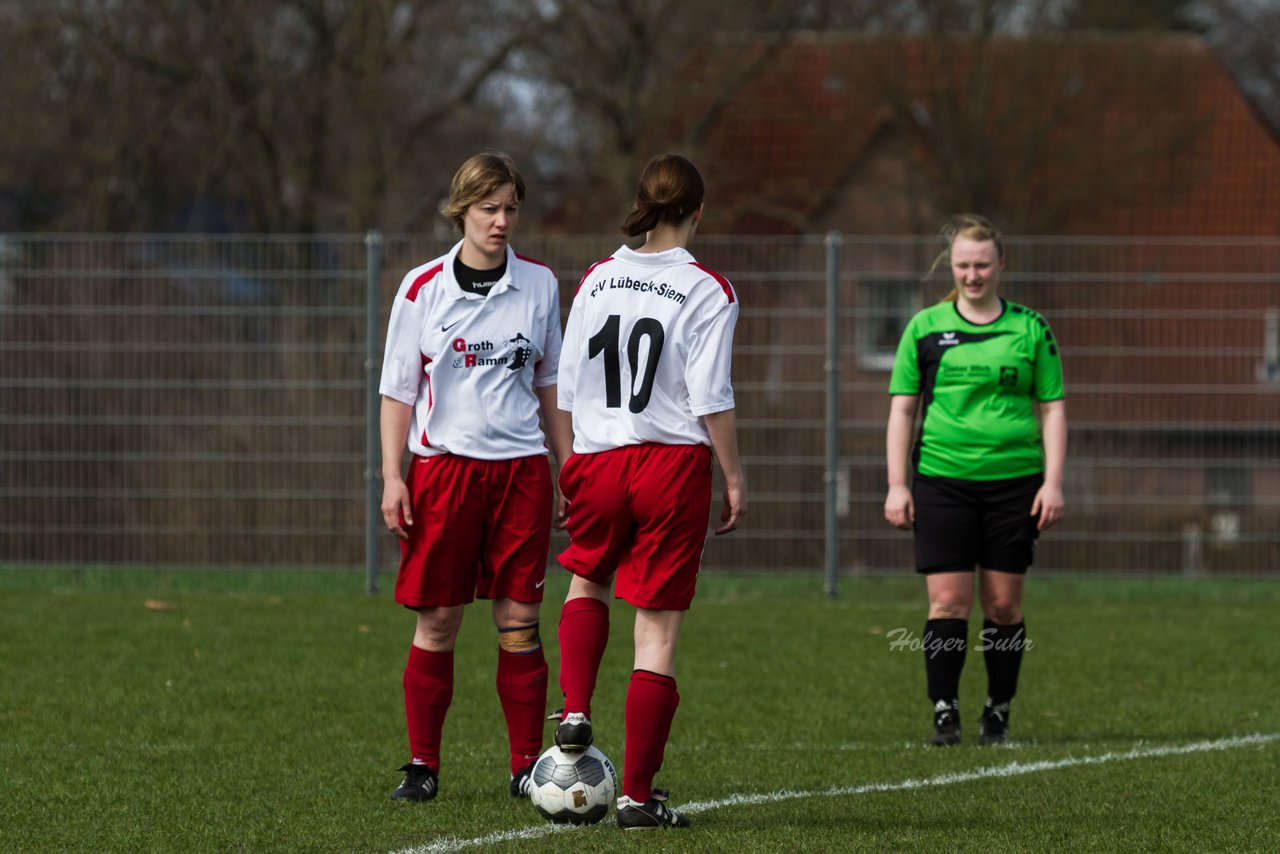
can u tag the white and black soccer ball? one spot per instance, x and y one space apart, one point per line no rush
573 788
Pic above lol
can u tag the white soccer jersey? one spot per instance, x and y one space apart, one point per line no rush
647 351
468 364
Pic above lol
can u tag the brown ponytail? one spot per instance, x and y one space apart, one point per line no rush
671 190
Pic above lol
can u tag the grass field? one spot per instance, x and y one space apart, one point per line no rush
147 711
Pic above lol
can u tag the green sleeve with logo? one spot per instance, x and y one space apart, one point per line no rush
978 384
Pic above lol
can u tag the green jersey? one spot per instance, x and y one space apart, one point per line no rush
977 384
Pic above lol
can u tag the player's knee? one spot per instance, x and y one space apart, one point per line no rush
437 628
947 608
520 639
1003 612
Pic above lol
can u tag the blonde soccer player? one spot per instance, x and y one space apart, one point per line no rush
983 376
472 351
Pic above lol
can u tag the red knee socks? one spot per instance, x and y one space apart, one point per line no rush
651 706
584 633
428 691
522 689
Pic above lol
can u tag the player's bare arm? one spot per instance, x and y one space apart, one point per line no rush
1049 504
899 510
394 430
722 427
558 425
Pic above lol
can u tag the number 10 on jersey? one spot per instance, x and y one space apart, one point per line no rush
607 343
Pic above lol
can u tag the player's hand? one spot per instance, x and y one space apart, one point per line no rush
1049 505
562 511
899 508
735 507
396 508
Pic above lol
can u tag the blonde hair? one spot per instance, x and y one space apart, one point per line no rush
972 227
476 179
671 189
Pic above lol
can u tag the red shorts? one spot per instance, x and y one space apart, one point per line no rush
640 511
481 528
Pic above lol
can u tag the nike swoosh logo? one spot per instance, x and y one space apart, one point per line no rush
447 327
539 584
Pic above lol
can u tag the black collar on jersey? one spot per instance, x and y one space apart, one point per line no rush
1003 308
475 281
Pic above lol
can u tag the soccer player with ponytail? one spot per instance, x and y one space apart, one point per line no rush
645 372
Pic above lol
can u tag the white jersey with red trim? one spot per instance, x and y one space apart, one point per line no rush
647 351
469 364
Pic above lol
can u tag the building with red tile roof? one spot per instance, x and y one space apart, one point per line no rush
1085 135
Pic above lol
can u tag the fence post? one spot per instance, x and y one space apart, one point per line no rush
373 496
831 366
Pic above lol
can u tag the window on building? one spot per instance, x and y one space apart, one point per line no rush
885 304
1229 486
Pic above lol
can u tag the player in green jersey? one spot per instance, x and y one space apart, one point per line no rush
984 378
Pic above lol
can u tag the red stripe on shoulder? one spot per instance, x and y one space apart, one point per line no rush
532 260
430 274
724 283
590 270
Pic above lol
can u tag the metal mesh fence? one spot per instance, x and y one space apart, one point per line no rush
181 400
200 401
1170 354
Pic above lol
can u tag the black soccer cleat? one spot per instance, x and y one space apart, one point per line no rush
946 723
557 715
653 814
420 784
993 726
574 733
522 781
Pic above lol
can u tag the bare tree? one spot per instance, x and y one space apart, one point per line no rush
625 78
306 115
916 17
1162 15
621 80
1246 35
1042 132
287 115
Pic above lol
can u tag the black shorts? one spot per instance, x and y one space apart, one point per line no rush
964 524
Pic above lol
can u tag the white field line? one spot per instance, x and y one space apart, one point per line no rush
1011 769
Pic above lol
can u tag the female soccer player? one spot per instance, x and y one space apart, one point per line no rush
472 352
988 476
645 372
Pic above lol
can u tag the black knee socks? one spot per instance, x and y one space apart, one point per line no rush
944 650
1002 649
